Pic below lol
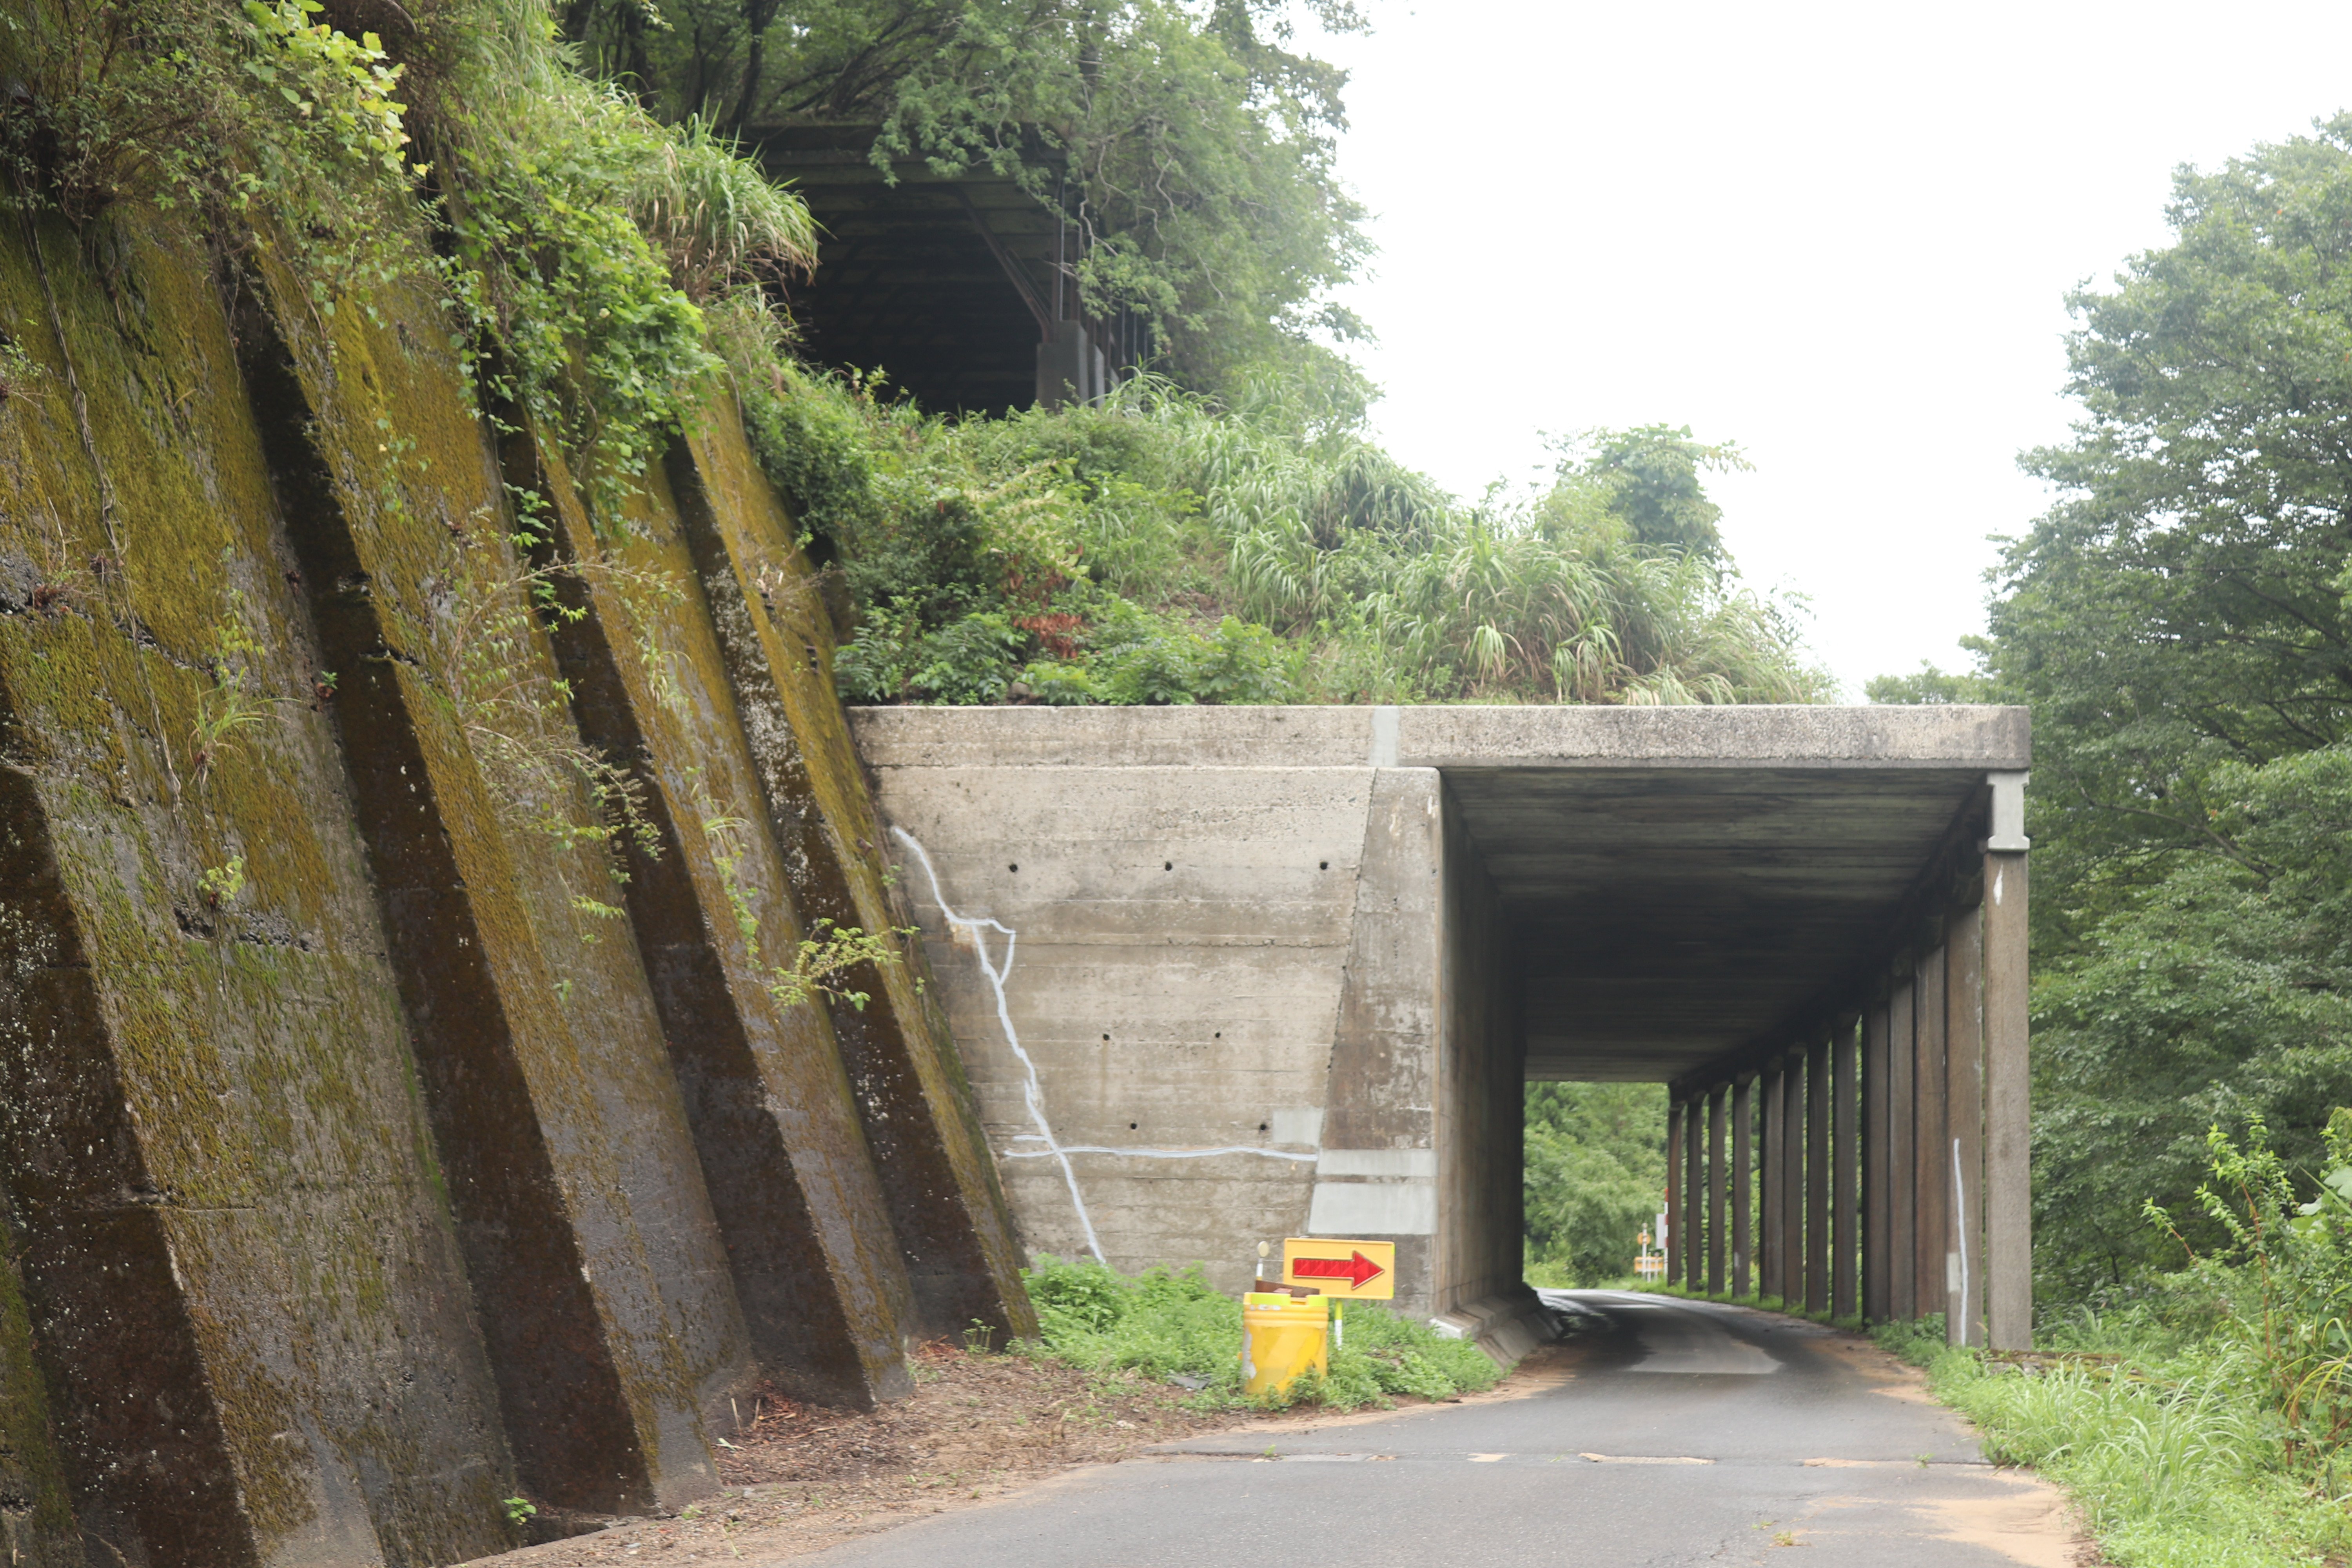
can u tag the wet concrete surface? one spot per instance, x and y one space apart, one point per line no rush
1662 1432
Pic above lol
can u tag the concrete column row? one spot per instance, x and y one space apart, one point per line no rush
1878 1166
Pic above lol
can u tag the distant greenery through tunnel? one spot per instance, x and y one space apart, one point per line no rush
1595 1178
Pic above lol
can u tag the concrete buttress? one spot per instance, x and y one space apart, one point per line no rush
355 1175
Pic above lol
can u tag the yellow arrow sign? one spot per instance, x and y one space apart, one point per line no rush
1352 1270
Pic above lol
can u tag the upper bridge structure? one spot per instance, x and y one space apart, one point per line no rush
1225 974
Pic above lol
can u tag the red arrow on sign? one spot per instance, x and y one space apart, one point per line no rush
1355 1269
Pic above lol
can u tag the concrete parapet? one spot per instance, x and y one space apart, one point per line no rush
1942 736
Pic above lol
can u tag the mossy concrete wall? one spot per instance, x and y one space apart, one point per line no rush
376 1143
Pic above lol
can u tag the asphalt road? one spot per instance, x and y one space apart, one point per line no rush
1666 1432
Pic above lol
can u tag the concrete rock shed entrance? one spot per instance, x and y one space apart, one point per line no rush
1221 975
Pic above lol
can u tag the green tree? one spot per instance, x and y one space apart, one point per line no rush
1191 150
2183 606
1651 478
2221 993
1595 1175
2178 622
1929 684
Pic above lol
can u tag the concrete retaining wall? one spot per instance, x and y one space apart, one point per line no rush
1217 981
377 1140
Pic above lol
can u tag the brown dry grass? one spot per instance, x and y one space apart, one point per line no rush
802 1477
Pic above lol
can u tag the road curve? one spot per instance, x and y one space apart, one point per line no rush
1663 1432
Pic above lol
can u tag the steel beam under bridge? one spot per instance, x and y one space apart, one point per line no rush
1225 974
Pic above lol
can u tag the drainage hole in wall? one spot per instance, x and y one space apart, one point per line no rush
1131 1127
1168 865
1220 1035
1261 1126
1106 1036
1326 866
1012 868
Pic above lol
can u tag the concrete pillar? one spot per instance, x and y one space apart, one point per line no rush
1902 1165
1845 1116
1877 1183
2009 1188
1964 1126
1743 1167
1817 1175
1933 1181
1694 1195
1672 1239
1064 367
1792 1181
1772 1267
1718 1206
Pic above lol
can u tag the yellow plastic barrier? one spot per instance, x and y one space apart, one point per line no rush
1283 1336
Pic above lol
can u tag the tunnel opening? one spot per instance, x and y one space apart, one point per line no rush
1739 1010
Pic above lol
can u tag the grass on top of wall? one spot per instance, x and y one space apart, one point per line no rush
1172 1325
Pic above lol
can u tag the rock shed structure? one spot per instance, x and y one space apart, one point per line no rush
1225 974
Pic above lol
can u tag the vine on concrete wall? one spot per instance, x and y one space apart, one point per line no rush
825 953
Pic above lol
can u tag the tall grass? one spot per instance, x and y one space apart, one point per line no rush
1165 522
2203 1423
2169 1452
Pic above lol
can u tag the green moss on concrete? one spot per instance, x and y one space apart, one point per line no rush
428 514
149 594
37 1521
972 1269
636 582
260 1044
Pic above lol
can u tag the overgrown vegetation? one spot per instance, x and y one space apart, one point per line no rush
1190 148
1169 1325
2202 1423
1168 547
2180 623
600 267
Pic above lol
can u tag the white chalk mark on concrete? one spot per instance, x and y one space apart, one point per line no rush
1033 1094
1960 1205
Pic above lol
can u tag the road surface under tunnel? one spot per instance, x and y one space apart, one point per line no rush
1661 1431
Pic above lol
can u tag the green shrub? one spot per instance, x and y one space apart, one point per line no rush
1919 1341
1168 1324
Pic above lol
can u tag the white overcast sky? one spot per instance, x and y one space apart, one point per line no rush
1839 236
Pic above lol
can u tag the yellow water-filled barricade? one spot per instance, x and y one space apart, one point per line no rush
1282 1338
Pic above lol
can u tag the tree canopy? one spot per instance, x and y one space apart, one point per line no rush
1595 1176
2178 623
1192 149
